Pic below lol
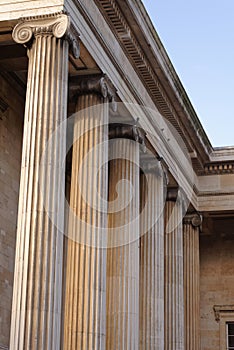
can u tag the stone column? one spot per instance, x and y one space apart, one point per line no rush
152 257
123 245
174 284
191 229
36 309
85 296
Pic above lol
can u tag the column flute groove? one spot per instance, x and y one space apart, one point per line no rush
85 295
191 227
123 245
174 284
152 257
36 309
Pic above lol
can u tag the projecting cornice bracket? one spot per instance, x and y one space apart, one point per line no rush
220 310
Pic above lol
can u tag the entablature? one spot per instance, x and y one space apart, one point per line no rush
129 51
11 10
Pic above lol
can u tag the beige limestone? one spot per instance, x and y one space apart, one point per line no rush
216 285
174 284
151 328
123 252
12 10
85 296
212 193
36 309
192 281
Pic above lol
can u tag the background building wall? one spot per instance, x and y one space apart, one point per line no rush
217 281
11 129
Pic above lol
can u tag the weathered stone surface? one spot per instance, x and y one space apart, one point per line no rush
11 132
122 313
85 265
122 43
36 305
191 229
216 284
151 299
174 281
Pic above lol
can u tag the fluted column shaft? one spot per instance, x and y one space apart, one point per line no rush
36 309
85 296
191 281
123 251
152 260
174 286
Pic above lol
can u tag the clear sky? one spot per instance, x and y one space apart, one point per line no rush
199 39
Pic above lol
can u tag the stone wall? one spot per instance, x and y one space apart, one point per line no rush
11 130
217 283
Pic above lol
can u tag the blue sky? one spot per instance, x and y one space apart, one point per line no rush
199 39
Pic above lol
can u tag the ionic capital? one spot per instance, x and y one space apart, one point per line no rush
194 219
57 25
128 131
172 194
98 84
176 194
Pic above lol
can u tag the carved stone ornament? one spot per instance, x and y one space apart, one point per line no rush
99 84
221 310
195 219
172 194
57 25
176 194
128 131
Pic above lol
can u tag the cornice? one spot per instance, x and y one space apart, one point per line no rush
12 10
99 39
163 67
213 194
146 71
124 17
220 310
126 37
222 154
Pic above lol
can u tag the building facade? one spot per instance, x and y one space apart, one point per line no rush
116 213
